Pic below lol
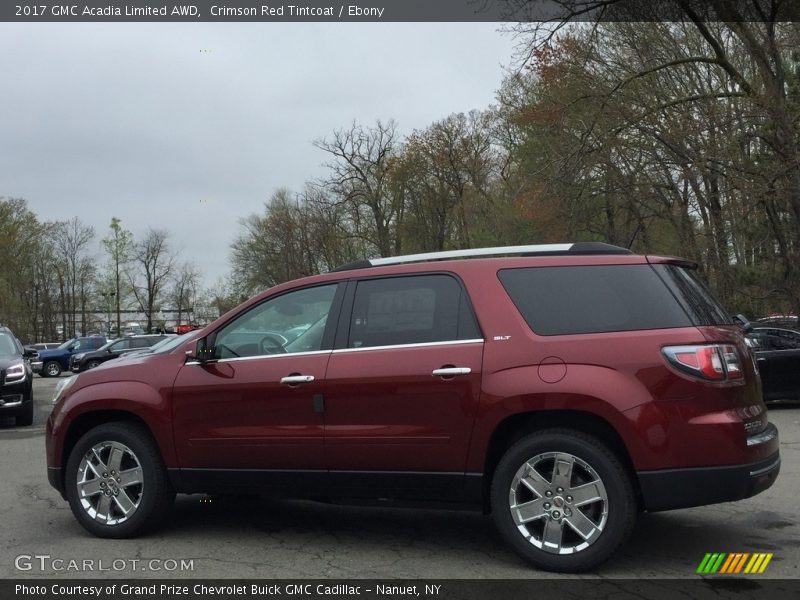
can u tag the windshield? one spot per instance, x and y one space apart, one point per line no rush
108 345
66 344
7 346
170 343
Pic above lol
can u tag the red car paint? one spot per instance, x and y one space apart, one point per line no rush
384 413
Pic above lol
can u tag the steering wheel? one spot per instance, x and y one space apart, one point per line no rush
271 344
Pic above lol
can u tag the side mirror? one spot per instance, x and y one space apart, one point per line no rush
29 353
201 352
742 321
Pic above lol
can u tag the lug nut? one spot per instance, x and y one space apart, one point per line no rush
113 472
569 498
556 514
116 492
119 480
102 484
548 493
567 512
108 492
559 490
546 505
105 474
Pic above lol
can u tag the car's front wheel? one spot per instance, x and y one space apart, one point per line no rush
563 500
51 369
25 418
116 482
92 364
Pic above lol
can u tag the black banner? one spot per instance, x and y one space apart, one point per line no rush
397 10
396 589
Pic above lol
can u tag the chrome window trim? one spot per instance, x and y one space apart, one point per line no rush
342 350
417 345
243 358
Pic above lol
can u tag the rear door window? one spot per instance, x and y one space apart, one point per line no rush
410 310
122 345
592 299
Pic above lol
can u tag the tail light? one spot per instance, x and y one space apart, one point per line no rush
713 362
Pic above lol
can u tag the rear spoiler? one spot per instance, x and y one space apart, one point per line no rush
671 260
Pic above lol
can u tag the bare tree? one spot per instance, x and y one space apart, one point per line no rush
360 178
118 245
152 263
71 240
184 290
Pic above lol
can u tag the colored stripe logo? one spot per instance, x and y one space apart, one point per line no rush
736 562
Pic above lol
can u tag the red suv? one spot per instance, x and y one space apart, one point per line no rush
563 388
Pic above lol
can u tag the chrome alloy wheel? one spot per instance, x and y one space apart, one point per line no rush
558 502
110 483
52 369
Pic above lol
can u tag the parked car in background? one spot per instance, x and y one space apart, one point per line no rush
81 361
564 389
777 351
132 329
51 363
170 341
185 328
16 380
781 321
31 351
39 346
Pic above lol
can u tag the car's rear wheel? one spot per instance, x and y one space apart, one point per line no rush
92 364
116 482
51 369
563 500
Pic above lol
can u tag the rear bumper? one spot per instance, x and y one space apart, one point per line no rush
667 489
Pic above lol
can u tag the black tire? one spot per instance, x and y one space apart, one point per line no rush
51 369
157 494
25 418
92 364
617 484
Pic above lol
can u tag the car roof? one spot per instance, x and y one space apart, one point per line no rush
794 331
465 265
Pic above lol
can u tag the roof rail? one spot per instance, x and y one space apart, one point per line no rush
579 248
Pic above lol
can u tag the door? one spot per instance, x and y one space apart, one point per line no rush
402 386
255 404
778 357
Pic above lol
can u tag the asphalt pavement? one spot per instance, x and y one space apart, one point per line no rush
240 537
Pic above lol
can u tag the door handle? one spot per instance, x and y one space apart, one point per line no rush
451 371
296 379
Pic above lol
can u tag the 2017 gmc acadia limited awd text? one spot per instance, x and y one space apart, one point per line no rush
563 388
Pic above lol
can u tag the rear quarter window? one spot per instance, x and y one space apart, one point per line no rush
583 299
694 296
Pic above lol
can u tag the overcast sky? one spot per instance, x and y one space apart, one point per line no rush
190 127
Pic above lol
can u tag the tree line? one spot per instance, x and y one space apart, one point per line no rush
678 138
56 278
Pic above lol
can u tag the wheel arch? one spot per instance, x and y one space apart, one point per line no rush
89 420
516 426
